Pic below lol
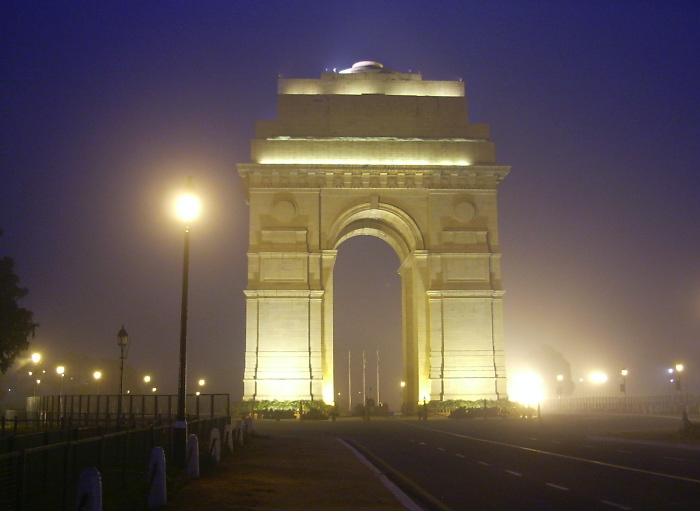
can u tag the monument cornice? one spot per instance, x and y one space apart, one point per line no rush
439 177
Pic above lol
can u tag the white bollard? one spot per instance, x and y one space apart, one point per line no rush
158 493
90 490
215 445
228 437
192 457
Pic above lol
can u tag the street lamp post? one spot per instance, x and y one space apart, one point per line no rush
623 385
677 380
97 375
60 370
188 208
123 342
36 357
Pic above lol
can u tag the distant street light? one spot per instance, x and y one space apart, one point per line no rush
123 343
60 370
623 385
677 378
188 207
36 357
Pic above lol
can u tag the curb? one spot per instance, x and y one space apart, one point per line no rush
420 499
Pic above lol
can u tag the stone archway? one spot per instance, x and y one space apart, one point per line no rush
374 152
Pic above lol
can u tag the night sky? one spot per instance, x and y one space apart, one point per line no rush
107 107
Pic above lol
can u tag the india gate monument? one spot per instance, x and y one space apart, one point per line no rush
370 151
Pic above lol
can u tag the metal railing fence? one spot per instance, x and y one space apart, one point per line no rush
41 478
631 404
92 410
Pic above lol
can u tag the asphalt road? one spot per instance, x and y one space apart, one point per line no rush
560 462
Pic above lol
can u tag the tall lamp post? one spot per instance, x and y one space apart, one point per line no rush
123 342
188 209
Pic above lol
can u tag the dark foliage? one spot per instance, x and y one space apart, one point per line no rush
16 325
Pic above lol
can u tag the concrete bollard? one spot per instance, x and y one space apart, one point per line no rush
248 427
158 493
90 490
239 432
215 445
228 437
192 457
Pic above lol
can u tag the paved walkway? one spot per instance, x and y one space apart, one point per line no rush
286 471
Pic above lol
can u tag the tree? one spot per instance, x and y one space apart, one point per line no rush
16 325
550 363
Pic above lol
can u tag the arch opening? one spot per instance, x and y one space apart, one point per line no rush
367 318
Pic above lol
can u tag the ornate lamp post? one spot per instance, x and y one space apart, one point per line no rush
188 208
123 343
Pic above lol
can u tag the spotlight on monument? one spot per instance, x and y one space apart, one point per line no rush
598 377
526 388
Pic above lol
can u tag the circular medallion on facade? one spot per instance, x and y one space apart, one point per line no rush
464 211
284 210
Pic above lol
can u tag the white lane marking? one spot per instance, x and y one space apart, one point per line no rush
532 438
441 449
404 499
514 473
460 455
422 443
557 455
552 485
613 504
484 463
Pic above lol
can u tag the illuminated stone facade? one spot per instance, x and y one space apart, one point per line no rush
369 151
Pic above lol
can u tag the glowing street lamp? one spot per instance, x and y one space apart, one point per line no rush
36 357
623 384
677 379
188 207
201 384
61 371
560 385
